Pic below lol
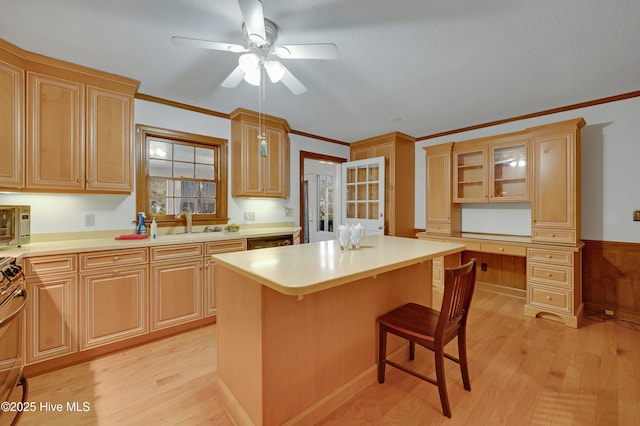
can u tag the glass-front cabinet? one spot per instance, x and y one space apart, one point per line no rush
470 175
493 170
509 173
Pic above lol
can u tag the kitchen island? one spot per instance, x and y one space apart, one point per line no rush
297 333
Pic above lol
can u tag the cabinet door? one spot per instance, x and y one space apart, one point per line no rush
210 278
361 153
438 197
113 305
275 178
51 317
109 148
55 133
470 176
176 292
554 206
11 126
508 174
251 161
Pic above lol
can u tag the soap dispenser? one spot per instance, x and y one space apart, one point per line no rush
141 229
154 229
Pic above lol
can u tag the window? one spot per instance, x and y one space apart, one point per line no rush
177 170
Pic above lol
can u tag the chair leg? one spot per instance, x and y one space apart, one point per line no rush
442 383
412 350
462 354
382 353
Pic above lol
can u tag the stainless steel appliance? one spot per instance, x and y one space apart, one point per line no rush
13 300
15 225
271 241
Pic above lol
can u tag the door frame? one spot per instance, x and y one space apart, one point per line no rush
312 156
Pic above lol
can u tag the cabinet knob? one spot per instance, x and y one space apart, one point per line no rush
552 235
501 249
548 256
548 274
116 272
115 258
549 298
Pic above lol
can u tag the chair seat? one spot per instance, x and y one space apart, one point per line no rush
412 320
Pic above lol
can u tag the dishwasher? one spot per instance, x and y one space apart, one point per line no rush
271 241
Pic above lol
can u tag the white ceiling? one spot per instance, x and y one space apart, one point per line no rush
419 67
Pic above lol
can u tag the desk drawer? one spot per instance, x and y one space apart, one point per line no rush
550 275
497 248
560 236
555 257
439 228
550 298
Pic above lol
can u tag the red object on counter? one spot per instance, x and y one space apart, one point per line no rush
132 237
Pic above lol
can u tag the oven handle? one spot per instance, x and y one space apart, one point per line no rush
23 293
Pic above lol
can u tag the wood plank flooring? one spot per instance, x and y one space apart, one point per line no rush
524 371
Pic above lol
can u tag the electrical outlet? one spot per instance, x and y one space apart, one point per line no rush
609 312
483 267
89 219
249 216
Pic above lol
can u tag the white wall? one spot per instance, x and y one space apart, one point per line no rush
65 212
610 151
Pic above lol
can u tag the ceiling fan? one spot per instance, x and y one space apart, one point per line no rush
258 55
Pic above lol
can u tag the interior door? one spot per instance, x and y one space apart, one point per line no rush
363 188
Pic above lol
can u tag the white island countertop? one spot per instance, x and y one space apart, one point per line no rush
308 268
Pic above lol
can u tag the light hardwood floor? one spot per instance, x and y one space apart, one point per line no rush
523 371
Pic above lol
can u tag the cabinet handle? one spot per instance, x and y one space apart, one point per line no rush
549 298
552 235
501 249
115 258
116 272
548 274
548 256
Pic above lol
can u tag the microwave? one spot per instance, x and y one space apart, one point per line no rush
15 225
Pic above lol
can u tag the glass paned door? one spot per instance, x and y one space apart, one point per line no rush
363 194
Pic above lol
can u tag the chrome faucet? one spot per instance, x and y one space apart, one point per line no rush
187 215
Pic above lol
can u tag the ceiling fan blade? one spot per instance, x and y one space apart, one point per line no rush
253 20
234 78
206 44
292 82
307 51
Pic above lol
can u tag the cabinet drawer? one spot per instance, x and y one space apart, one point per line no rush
224 246
47 265
548 274
558 236
176 251
555 257
105 259
439 228
497 248
553 299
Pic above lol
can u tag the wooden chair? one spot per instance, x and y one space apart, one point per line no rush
433 329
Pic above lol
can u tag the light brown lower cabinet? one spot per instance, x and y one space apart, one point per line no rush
51 324
113 305
211 269
176 289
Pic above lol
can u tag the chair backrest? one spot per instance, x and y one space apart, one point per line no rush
459 284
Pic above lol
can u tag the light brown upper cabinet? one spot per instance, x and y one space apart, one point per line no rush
78 127
493 169
259 171
555 210
11 120
443 217
398 150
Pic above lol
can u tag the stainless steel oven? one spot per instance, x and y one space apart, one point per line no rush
13 300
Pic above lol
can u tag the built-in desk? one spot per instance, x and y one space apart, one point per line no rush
553 272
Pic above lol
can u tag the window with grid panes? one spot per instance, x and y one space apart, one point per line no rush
182 171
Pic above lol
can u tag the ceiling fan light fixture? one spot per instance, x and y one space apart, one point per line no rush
275 70
253 77
282 52
249 62
235 48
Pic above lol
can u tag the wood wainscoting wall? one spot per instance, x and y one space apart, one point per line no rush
611 278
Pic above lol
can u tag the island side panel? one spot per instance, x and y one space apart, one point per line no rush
239 328
316 350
